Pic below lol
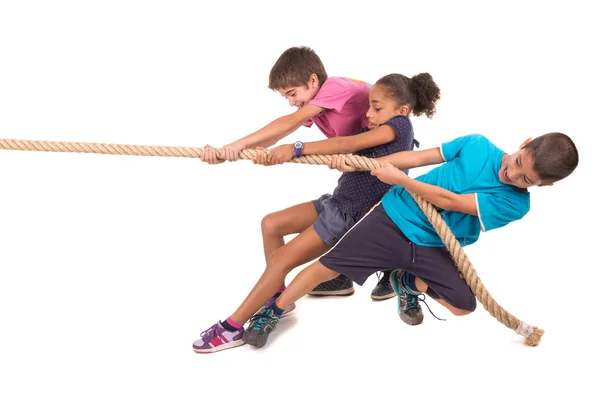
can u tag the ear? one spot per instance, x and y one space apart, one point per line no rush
403 110
525 143
313 81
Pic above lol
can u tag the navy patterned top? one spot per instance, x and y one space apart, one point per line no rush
357 192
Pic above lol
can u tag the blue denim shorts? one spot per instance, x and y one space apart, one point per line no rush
332 223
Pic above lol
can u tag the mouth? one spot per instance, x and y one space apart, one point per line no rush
370 125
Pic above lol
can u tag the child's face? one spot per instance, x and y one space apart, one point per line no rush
298 96
382 108
517 170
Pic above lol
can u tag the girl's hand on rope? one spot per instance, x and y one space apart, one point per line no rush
209 155
260 158
231 151
280 154
389 174
339 163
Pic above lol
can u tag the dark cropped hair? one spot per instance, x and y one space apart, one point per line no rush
554 156
294 68
420 92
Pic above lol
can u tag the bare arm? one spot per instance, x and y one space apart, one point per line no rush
279 128
442 198
414 158
436 195
336 145
350 144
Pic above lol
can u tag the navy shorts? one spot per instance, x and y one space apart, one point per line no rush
332 224
376 243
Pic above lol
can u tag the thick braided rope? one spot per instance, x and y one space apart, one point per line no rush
532 334
161 151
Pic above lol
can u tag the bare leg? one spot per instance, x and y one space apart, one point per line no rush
304 282
276 225
422 287
303 248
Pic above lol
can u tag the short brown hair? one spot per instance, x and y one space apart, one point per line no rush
554 156
294 68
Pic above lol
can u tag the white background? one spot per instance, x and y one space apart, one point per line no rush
110 266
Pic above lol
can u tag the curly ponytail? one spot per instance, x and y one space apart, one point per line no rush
420 92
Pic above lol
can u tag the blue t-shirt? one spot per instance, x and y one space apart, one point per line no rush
472 166
357 192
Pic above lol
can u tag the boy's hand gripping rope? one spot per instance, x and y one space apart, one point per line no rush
532 334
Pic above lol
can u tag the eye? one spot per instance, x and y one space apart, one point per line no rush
377 109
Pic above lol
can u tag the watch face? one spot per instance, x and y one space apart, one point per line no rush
297 145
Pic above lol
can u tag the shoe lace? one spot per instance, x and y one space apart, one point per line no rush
259 321
416 299
209 334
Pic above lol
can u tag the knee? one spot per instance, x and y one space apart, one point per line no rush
458 312
466 306
269 224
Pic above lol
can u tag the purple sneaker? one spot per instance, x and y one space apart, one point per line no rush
287 310
217 338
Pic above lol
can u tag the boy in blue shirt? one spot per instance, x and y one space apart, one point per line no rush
478 188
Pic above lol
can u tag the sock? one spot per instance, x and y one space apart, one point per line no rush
408 280
278 311
231 325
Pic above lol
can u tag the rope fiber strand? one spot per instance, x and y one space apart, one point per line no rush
532 335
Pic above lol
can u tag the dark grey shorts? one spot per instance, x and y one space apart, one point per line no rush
376 243
332 223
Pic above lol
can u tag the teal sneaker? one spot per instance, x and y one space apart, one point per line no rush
409 308
261 325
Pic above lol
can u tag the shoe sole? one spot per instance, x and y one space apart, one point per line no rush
411 323
344 292
255 340
227 346
384 297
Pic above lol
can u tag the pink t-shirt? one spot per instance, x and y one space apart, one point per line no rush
345 102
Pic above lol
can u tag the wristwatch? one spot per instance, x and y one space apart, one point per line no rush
298 147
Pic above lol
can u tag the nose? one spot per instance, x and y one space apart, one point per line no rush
291 101
369 114
511 173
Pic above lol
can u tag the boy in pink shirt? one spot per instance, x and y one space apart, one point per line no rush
338 107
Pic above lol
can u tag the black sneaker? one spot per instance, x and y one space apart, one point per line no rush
340 286
409 308
383 290
261 325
